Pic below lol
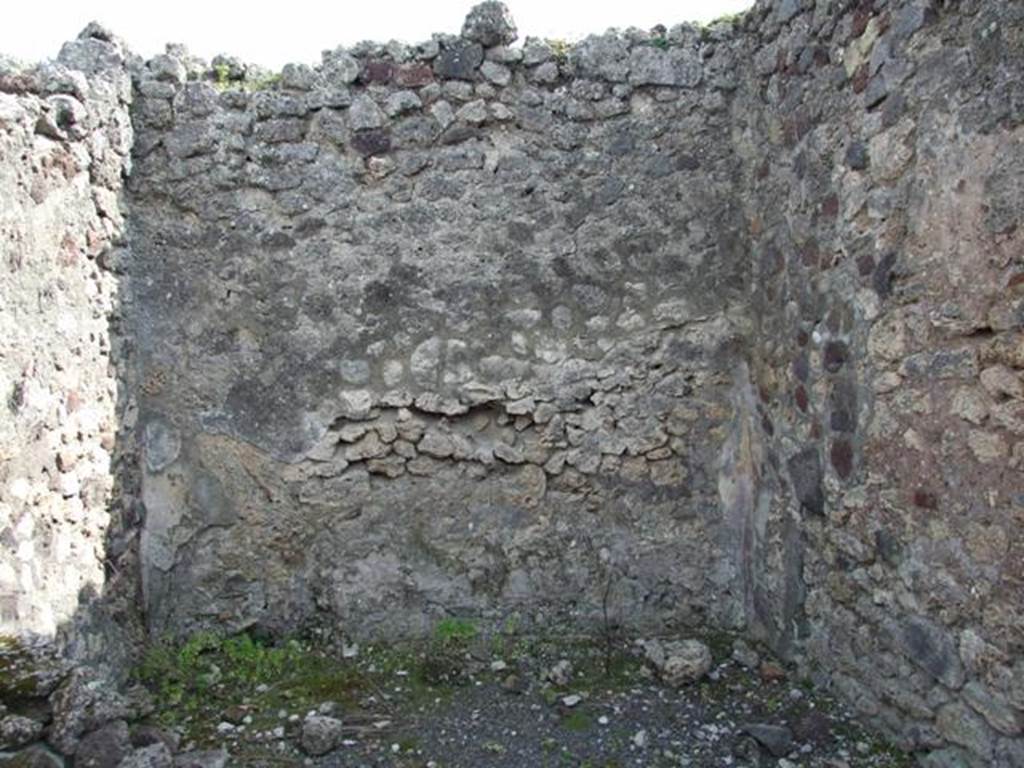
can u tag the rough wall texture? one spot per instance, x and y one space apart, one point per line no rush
65 138
435 338
883 165
729 318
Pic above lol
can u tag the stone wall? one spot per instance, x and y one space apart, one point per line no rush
883 164
448 329
725 320
65 138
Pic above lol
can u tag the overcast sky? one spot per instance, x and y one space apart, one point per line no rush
298 30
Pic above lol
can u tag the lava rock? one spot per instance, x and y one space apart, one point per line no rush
680 662
777 739
17 731
34 757
153 756
321 734
490 24
105 748
82 704
459 60
211 758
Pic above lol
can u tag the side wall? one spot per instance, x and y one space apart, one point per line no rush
885 160
65 138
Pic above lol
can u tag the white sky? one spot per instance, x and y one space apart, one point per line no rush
298 30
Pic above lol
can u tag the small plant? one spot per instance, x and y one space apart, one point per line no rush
455 631
444 662
264 83
660 43
222 76
210 672
561 49
578 721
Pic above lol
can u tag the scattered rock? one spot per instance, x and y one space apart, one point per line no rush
560 674
777 739
744 655
771 672
209 758
678 662
321 734
153 756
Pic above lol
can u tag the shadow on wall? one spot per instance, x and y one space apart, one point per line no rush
68 511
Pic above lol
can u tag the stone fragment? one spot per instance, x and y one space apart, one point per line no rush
82 704
475 112
961 726
364 114
207 758
152 756
675 67
995 709
601 57
321 734
806 475
105 748
459 60
678 662
340 66
744 655
1002 382
777 739
537 51
298 77
400 102
496 73
835 355
932 648
414 75
36 756
490 23
987 447
167 68
857 157
560 674
17 731
372 142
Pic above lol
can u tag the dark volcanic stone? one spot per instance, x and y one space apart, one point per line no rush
805 474
932 648
777 739
104 748
374 142
459 60
836 355
842 458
